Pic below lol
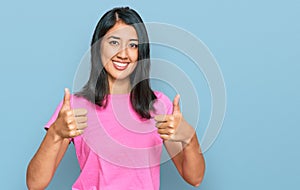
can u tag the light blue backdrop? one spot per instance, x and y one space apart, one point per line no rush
256 44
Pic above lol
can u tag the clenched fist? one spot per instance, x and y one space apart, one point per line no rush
174 127
70 122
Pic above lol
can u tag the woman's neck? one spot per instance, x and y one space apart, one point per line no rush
119 86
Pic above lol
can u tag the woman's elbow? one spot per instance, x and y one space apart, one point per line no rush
196 178
35 184
31 185
196 181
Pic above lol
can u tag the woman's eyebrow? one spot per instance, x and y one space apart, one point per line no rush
114 37
118 38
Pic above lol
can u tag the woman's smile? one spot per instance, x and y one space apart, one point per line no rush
121 66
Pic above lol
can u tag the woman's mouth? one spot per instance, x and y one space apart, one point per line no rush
120 65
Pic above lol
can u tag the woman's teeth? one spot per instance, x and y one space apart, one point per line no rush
120 66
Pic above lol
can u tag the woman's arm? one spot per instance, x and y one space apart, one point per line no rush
44 163
188 159
182 144
69 123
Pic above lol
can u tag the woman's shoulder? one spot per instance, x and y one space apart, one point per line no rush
79 100
163 104
161 96
75 97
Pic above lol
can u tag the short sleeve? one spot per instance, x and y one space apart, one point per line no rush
164 104
54 116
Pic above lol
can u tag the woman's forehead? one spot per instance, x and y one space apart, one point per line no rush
123 31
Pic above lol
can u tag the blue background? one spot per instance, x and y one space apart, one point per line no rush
256 44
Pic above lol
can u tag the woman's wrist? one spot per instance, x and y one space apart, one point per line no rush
52 131
187 132
192 143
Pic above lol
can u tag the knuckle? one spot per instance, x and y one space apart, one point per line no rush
171 131
68 120
171 124
71 127
82 119
85 111
165 137
79 132
82 126
171 118
72 133
69 113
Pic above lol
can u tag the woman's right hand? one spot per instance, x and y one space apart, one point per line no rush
70 122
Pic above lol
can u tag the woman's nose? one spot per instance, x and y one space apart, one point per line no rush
123 54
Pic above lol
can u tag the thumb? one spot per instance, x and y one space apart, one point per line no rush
176 107
66 103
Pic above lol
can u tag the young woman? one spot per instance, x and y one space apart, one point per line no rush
116 122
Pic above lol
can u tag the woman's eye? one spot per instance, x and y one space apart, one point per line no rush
133 45
114 42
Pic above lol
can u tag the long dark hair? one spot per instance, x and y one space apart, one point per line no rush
97 87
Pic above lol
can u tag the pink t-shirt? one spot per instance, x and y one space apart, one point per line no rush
118 149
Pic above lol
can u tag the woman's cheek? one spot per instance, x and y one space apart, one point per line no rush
133 54
107 53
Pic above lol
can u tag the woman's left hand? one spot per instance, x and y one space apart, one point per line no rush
174 127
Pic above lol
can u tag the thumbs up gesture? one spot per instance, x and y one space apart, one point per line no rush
174 127
70 122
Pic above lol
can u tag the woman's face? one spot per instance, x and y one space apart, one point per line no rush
119 51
